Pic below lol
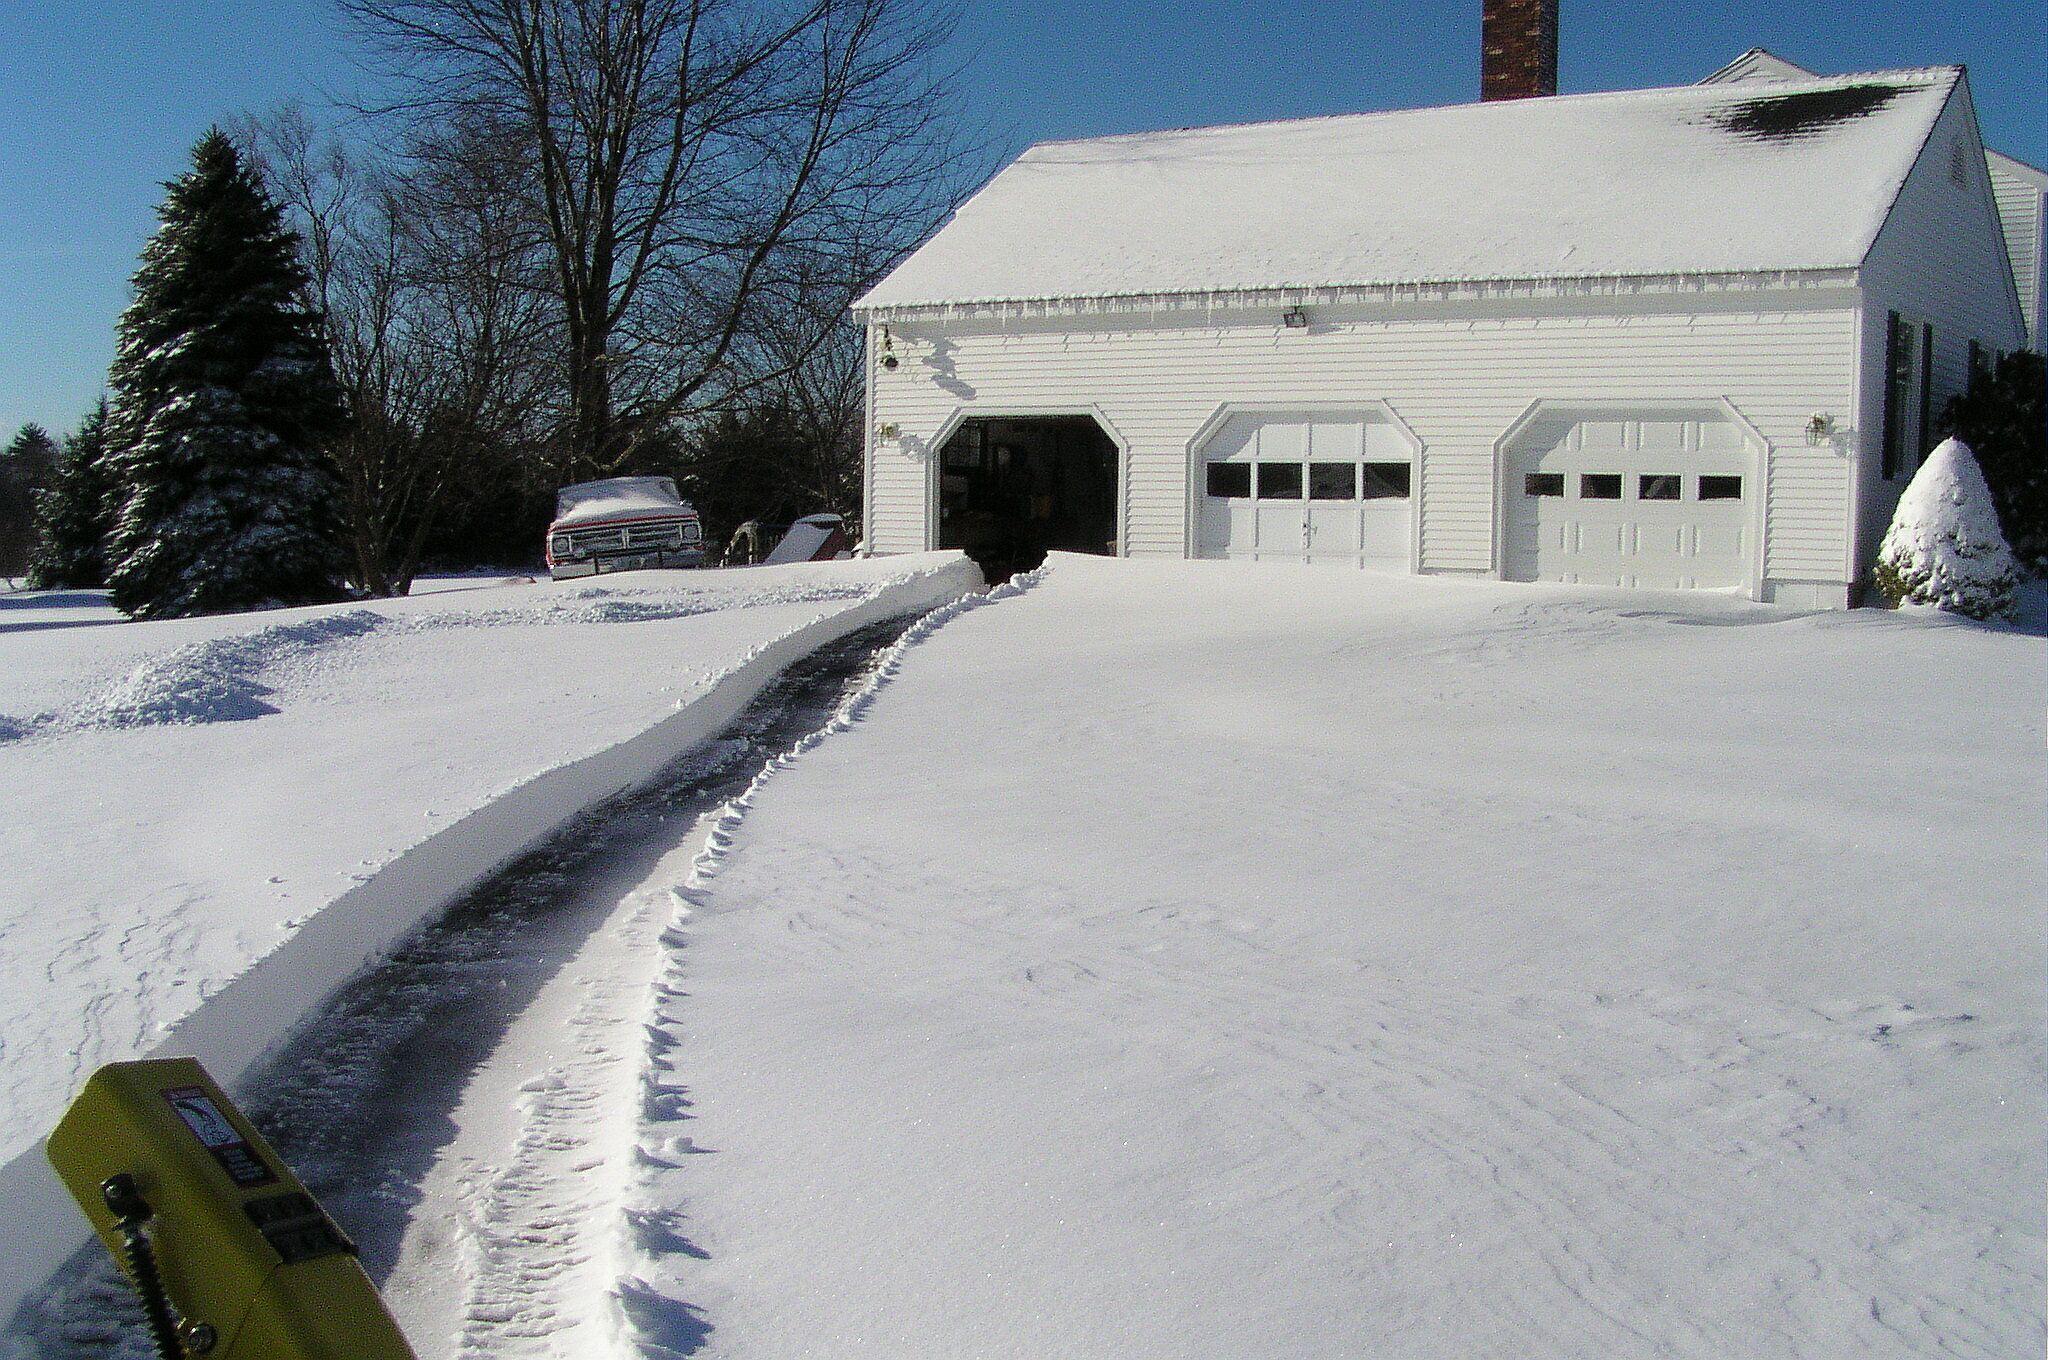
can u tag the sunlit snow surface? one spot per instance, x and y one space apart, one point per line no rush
1192 959
1681 181
1196 960
180 802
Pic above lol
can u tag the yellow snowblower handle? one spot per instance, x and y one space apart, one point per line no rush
232 1256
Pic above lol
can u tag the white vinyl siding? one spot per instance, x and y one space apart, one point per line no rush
2022 195
1938 262
1459 378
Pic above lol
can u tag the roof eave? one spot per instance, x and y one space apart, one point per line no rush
1256 299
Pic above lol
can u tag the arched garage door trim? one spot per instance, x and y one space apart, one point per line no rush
1014 411
1574 409
1372 408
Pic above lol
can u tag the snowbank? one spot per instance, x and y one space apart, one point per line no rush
205 825
1192 958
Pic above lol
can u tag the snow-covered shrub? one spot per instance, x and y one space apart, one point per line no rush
1944 547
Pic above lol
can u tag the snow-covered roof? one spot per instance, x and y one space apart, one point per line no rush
1716 179
1760 65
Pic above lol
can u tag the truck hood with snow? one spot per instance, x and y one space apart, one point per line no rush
616 498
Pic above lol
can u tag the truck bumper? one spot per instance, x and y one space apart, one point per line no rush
639 561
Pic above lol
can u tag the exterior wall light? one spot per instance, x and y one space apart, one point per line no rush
1294 319
889 359
1820 427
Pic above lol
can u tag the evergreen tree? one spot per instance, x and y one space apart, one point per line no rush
1944 548
224 405
2004 418
75 512
741 465
25 469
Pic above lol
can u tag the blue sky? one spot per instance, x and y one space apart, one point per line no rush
100 101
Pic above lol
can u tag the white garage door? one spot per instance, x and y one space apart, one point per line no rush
1658 501
1328 487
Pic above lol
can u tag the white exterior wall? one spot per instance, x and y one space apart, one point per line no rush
2022 195
1459 374
1939 260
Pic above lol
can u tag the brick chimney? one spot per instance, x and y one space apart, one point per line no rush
1517 49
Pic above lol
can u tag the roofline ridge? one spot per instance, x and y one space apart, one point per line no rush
1585 96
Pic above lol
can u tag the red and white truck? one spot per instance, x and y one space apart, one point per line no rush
621 524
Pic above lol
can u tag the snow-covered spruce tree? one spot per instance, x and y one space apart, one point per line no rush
224 406
1944 547
75 512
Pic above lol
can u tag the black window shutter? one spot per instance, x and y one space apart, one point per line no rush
1890 448
1926 392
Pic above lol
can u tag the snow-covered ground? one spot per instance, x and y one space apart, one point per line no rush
206 824
1193 959
1176 959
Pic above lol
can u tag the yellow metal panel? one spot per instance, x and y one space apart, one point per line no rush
240 1244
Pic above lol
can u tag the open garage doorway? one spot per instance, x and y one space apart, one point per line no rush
1013 488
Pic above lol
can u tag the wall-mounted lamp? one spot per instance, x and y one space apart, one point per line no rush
1820 428
888 430
889 359
1294 319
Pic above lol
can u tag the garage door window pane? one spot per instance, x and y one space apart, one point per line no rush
1720 488
1232 480
1386 481
1279 481
1600 486
1332 481
1543 484
1659 486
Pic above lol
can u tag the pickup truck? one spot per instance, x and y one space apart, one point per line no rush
620 524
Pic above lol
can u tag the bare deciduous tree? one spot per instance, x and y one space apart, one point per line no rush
433 328
688 163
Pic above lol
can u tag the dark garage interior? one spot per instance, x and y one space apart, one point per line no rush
1012 489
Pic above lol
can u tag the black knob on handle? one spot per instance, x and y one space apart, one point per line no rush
124 1199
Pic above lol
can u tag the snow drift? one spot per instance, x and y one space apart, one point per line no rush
1195 958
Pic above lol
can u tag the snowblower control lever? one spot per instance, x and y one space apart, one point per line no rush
233 1257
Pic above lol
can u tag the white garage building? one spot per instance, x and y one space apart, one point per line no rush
1687 337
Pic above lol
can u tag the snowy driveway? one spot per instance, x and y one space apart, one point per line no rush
1182 959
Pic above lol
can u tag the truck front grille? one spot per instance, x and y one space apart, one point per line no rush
631 538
